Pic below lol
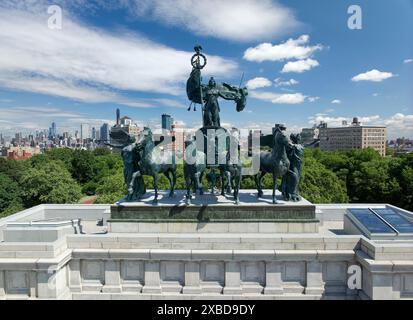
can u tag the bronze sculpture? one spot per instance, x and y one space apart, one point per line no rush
290 184
275 162
207 95
142 158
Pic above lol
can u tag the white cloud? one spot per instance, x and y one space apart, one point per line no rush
408 61
258 83
90 65
400 125
279 82
375 94
313 99
336 101
277 98
239 20
291 49
373 75
300 66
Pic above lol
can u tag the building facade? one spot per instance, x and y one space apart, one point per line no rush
43 255
167 122
355 136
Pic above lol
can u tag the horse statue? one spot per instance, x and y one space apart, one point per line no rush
194 169
230 171
153 162
275 162
131 157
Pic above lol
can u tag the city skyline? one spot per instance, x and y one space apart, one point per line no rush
301 65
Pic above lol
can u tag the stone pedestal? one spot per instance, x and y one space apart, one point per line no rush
213 213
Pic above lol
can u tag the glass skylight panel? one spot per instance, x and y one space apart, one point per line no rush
371 222
400 223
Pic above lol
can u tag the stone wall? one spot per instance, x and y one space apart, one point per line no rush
204 266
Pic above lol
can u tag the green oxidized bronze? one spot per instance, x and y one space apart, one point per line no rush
291 180
142 158
207 95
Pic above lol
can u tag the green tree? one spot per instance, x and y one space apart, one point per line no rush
321 185
10 196
13 169
83 166
372 182
111 189
49 183
62 154
406 184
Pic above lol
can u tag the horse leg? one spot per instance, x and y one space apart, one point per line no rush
226 180
166 174
258 181
274 188
230 184
131 189
222 182
188 188
236 186
173 171
188 181
256 178
213 180
155 185
198 180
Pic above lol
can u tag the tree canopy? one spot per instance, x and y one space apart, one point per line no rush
65 176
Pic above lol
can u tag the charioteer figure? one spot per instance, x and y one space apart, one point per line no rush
207 95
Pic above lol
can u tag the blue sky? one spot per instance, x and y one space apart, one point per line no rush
301 62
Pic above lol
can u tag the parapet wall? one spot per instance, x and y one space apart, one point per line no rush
203 266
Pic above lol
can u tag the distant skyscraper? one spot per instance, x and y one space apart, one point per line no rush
104 133
167 122
94 133
52 131
84 132
117 117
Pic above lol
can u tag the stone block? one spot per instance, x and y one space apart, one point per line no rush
179 238
156 254
254 255
249 227
297 227
131 254
218 238
273 227
212 255
253 276
182 227
17 283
